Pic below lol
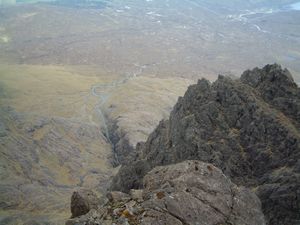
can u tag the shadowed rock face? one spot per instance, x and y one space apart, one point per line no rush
83 201
248 127
277 88
187 193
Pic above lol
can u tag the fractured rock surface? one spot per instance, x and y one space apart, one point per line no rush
187 193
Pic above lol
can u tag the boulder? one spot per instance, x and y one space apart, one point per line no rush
194 192
82 201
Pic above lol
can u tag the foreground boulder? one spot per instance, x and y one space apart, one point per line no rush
249 128
188 193
82 201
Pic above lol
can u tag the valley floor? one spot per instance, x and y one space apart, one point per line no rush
54 138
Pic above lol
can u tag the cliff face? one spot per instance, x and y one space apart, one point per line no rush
249 128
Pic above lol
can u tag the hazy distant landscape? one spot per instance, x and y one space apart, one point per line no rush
79 80
182 37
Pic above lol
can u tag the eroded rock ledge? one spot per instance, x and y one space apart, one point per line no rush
187 193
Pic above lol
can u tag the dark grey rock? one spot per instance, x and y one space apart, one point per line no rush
83 201
277 87
249 128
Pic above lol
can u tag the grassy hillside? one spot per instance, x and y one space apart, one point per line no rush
51 136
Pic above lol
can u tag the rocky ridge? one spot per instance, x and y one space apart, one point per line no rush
249 128
188 193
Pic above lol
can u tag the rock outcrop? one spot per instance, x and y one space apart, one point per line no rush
249 128
188 193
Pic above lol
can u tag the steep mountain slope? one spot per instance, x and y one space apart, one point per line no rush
247 127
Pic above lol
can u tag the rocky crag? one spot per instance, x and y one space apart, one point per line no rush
247 127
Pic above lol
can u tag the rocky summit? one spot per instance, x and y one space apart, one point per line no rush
225 144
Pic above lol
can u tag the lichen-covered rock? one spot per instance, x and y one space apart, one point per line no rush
249 128
82 201
187 193
194 192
